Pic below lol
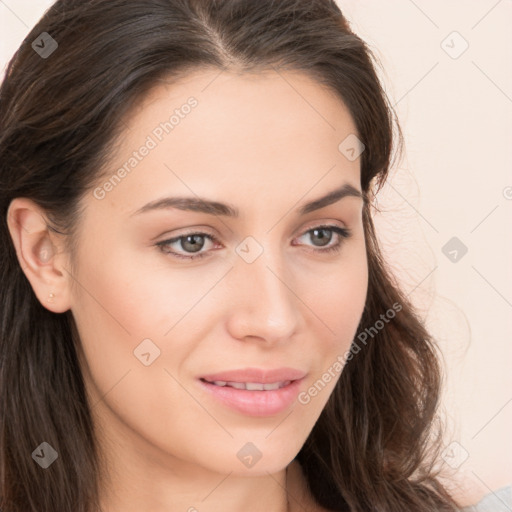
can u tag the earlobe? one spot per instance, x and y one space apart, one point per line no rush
38 255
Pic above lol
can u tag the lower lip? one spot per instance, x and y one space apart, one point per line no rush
255 403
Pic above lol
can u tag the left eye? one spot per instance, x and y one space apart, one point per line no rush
193 241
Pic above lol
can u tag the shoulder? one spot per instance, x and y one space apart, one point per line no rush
496 501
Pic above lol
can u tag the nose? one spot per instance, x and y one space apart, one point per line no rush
262 302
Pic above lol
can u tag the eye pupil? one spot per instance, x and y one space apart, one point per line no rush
195 246
323 239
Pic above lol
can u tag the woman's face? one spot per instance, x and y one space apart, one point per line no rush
263 300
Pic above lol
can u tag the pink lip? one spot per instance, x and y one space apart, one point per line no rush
256 403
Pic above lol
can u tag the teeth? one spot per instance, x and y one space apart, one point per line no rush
253 386
275 385
237 385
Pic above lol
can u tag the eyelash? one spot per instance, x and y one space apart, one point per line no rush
343 233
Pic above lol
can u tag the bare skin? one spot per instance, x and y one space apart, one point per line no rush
266 144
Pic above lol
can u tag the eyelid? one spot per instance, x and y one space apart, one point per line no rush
322 223
342 233
200 230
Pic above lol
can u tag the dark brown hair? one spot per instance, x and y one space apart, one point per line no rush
59 118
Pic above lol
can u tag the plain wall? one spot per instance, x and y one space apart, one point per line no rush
454 180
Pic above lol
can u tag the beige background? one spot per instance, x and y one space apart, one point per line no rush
455 180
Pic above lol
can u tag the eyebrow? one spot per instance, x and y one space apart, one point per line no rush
197 204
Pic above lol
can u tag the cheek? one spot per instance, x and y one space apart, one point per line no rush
116 309
340 308
338 298
126 309
338 295
130 298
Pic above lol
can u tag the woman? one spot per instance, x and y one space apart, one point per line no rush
196 312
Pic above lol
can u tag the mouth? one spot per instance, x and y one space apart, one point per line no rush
253 391
250 386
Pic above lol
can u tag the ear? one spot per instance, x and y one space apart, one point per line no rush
40 254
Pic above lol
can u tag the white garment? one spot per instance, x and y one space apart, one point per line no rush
497 501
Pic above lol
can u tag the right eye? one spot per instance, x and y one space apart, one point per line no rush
187 241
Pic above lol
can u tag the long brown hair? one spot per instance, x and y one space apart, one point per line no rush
61 114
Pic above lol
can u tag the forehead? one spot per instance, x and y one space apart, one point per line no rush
242 110
212 131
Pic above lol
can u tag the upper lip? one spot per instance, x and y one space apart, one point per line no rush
256 375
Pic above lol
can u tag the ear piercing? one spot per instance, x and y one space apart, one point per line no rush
51 296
